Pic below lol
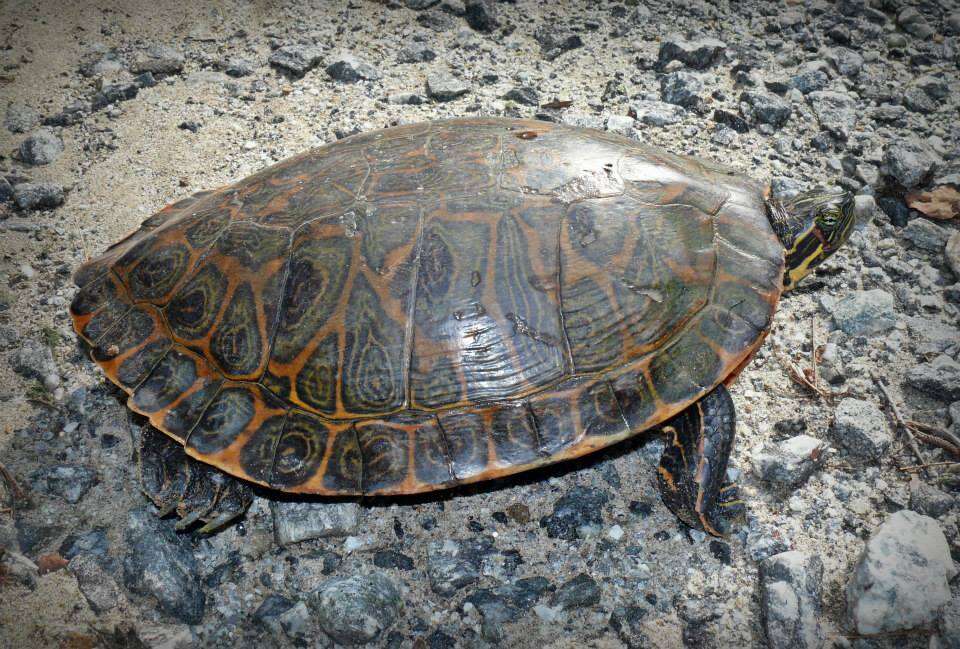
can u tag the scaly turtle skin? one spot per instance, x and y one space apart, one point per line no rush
436 304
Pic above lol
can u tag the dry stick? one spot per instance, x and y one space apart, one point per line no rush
936 441
935 430
16 492
917 467
911 440
813 352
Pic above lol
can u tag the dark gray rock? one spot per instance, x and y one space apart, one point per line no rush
237 67
918 101
791 591
810 77
357 609
764 108
67 481
300 521
505 604
935 87
114 93
159 60
837 112
901 580
438 21
580 592
730 120
92 543
926 235
33 359
392 559
481 15
576 514
908 162
96 584
347 67
72 114
20 118
555 41
682 88
160 564
6 191
443 86
420 5
790 462
846 61
861 427
658 113
940 378
41 147
928 500
862 313
297 623
913 22
296 60
698 54
101 64
416 52
526 95
270 610
38 196
451 565
949 626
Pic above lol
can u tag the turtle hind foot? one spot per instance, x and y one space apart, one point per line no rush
692 471
197 492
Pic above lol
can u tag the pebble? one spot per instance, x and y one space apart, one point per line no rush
901 579
791 585
67 481
33 359
442 86
235 66
862 313
926 235
294 521
159 60
837 112
928 500
96 584
357 609
658 113
349 68
682 88
810 77
160 564
20 118
908 162
576 514
939 378
297 60
790 462
481 15
861 427
914 23
952 253
41 147
698 54
764 108
526 95
451 565
113 93
847 62
555 41
416 52
580 592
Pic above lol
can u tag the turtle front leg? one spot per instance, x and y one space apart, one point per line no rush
693 468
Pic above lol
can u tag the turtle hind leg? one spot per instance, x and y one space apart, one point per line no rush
198 492
692 472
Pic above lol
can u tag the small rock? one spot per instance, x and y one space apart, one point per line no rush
160 564
392 559
555 41
861 428
699 54
792 461
681 88
949 626
928 500
526 95
296 623
451 565
405 99
505 604
810 77
443 86
33 359
863 313
96 584
6 191
481 15
270 610
913 22
658 113
621 124
846 61
20 118
952 252
730 120
837 112
300 521
114 93
764 108
791 585
41 147
347 67
159 60
416 52
926 235
38 196
576 514
296 59
357 609
940 378
908 162
580 592
901 579
237 67
67 481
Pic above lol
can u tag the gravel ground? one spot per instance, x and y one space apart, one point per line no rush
115 109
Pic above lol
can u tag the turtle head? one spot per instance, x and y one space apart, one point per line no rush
812 226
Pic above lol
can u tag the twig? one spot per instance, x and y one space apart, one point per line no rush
939 443
935 430
15 491
800 378
813 352
918 467
911 440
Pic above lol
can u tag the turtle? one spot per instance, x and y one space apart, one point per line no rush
435 304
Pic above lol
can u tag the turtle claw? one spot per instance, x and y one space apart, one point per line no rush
197 492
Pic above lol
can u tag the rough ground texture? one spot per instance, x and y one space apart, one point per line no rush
115 110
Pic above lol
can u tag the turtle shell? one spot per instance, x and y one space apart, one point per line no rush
413 308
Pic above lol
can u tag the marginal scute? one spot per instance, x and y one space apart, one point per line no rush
257 454
385 452
98 306
466 441
430 455
344 463
688 367
223 420
514 434
300 451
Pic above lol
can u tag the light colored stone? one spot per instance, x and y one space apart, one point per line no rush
790 600
300 521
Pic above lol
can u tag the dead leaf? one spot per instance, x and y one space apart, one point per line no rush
51 563
558 103
939 203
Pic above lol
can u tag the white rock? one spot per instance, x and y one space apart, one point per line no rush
901 580
299 521
791 592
